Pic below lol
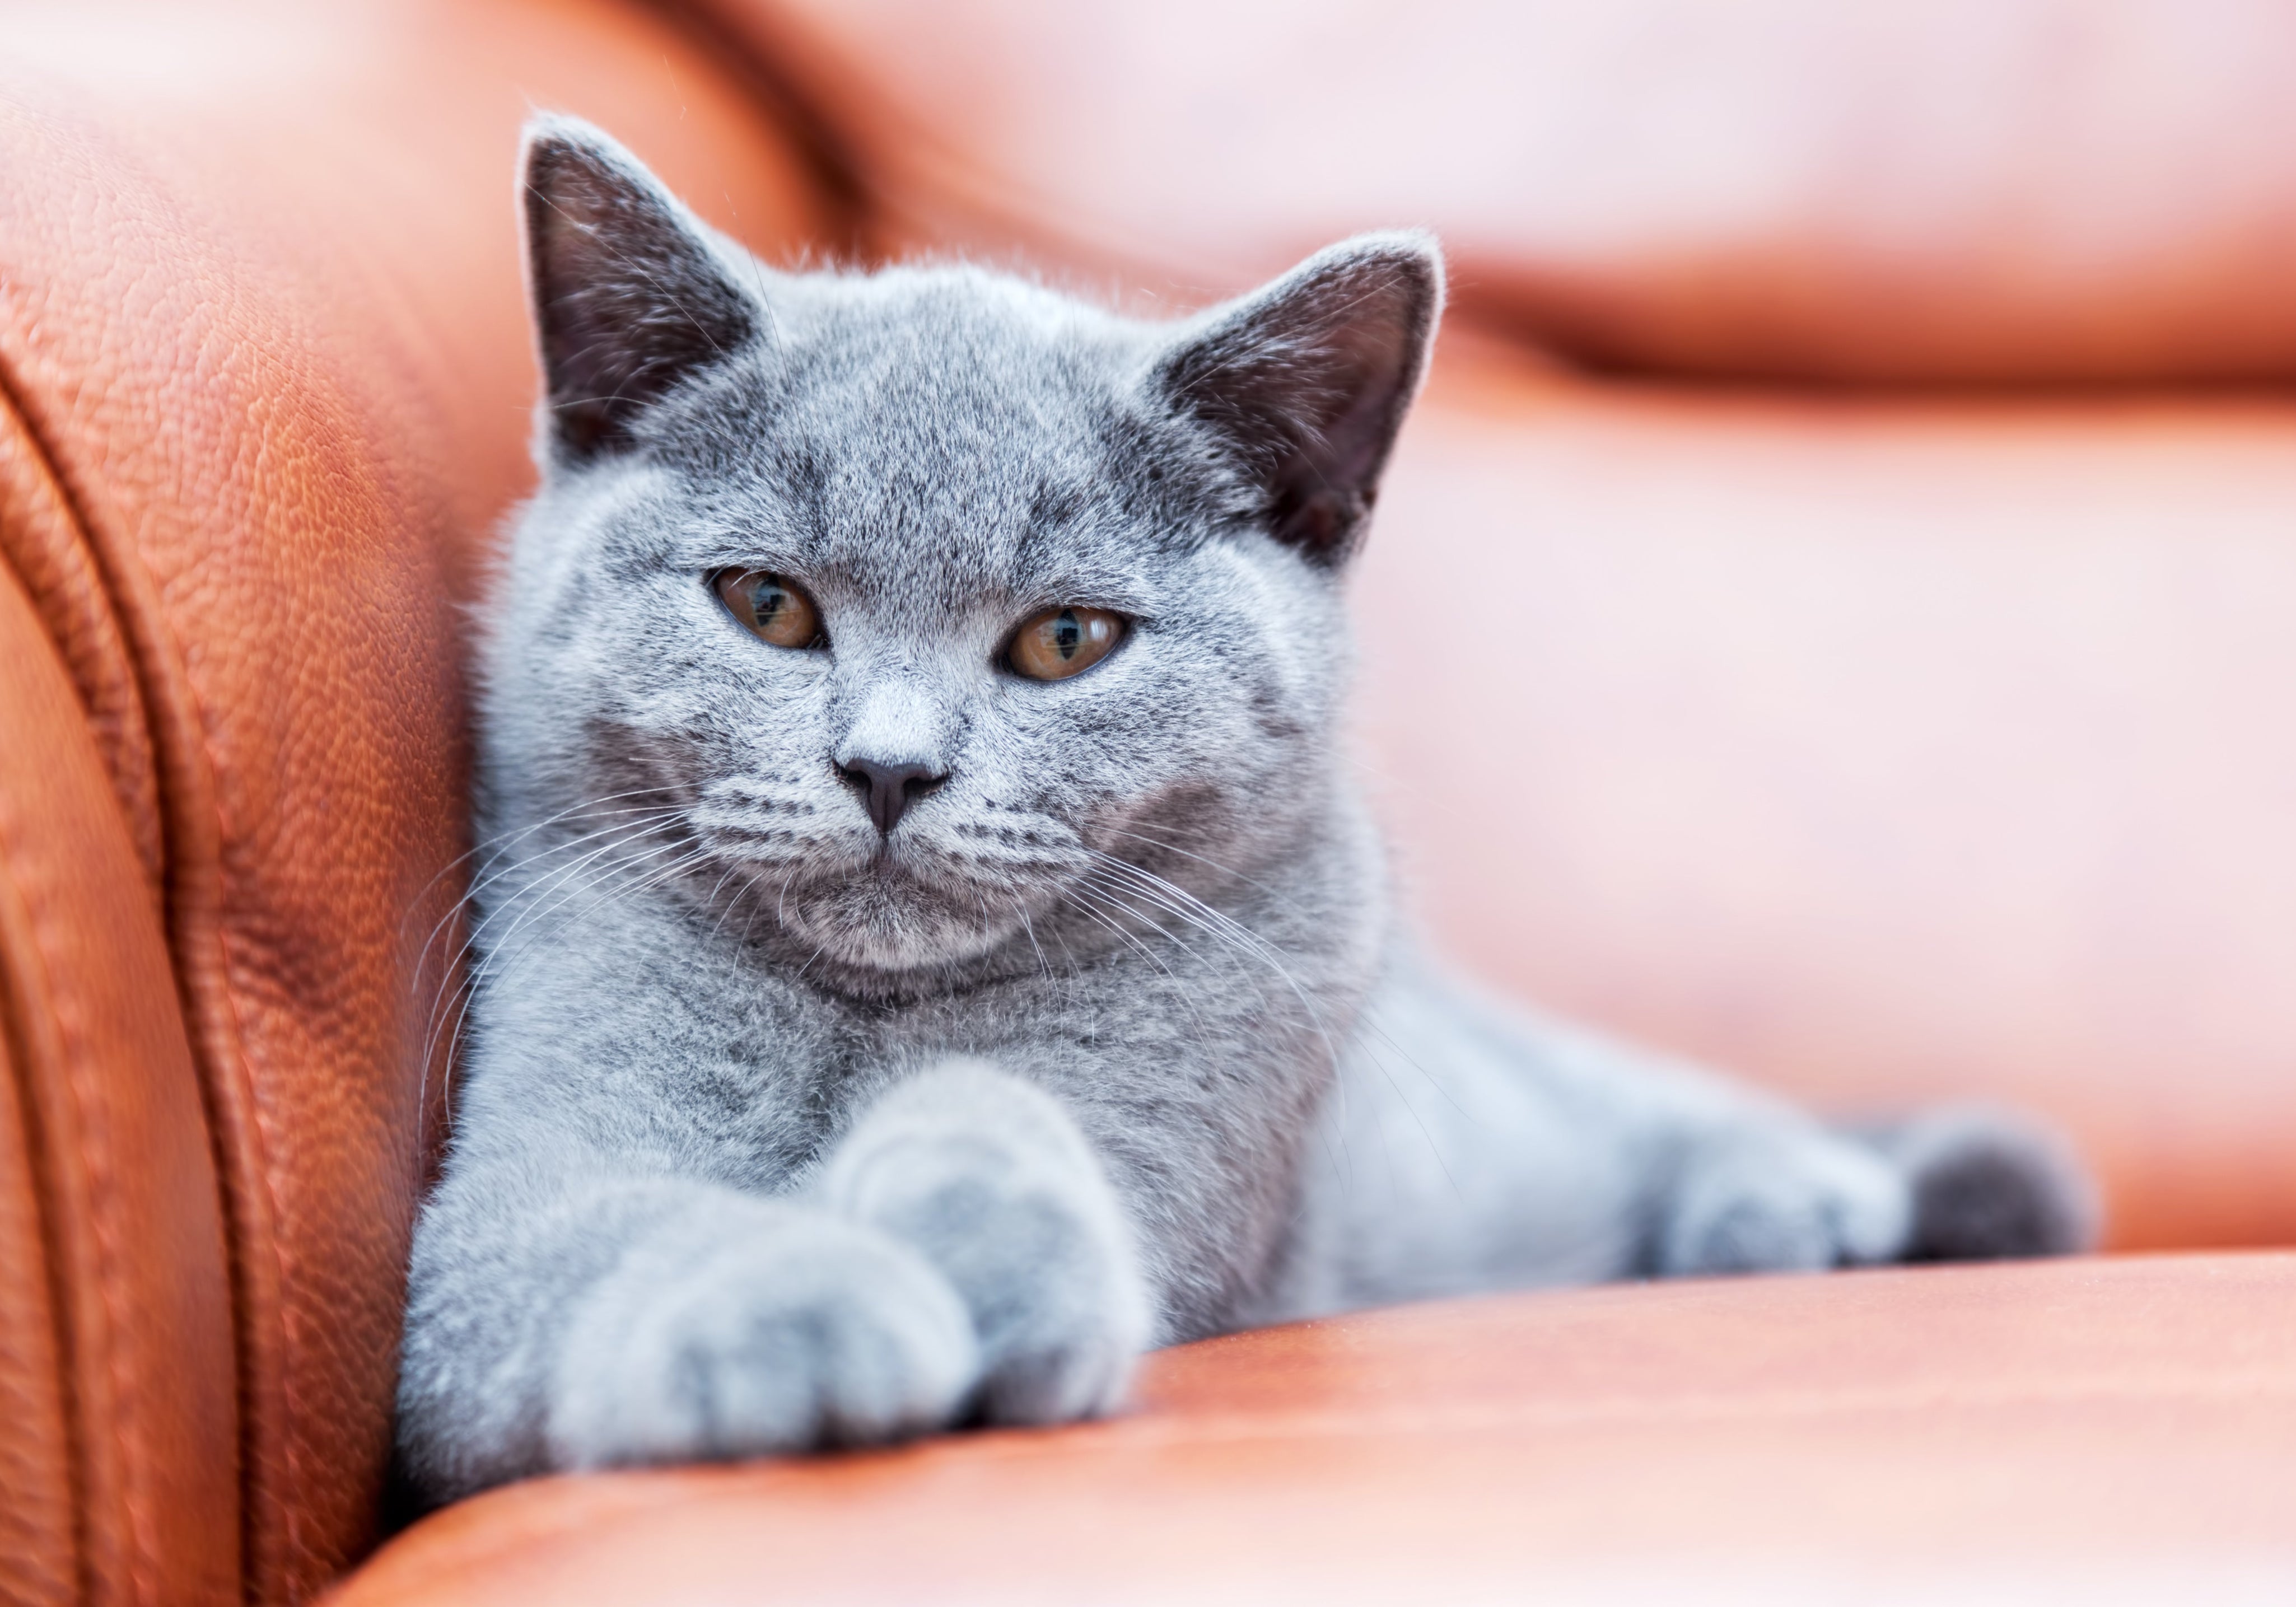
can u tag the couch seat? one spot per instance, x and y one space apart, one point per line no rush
2110 1429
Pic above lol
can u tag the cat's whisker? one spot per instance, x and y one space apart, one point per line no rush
819 949
1109 900
1122 892
1021 906
451 1020
500 863
1189 908
1102 899
717 889
493 846
1229 871
1228 942
477 934
1365 1023
481 935
447 981
687 854
1122 936
498 849
502 960
1242 937
1168 890
492 868
757 908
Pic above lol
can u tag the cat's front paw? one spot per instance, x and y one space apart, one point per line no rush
824 1333
989 1179
1790 1202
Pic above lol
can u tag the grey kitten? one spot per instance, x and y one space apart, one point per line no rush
934 951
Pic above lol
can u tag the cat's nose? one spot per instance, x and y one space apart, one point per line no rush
889 789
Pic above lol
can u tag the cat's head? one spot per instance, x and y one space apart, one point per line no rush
894 608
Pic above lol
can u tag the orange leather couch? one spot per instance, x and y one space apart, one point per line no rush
1850 538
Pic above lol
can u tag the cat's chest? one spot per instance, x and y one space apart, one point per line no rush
824 1057
863 1043
793 1069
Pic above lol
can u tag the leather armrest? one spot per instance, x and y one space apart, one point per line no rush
117 1391
262 337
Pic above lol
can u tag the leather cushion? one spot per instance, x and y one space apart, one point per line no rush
2100 1430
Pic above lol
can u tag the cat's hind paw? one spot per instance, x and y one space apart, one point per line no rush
827 1335
1989 1183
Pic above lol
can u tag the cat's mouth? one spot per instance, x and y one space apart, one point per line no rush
895 905
938 895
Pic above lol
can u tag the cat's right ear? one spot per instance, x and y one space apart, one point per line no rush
1306 381
630 298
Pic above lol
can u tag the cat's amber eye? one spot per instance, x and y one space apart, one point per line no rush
771 605
1062 642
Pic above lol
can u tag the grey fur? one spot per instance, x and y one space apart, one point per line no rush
774 1133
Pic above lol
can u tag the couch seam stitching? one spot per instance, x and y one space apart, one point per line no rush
100 1183
147 638
16 1030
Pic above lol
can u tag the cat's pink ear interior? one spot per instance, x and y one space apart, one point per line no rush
629 296
1307 381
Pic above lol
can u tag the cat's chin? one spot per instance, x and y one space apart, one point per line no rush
903 960
884 930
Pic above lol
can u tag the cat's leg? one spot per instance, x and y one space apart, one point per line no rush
581 1318
1769 1188
1750 1184
1467 1147
988 1178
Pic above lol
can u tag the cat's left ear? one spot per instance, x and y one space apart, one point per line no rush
631 296
1308 379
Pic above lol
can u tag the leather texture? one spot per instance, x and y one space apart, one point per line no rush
117 1383
260 323
1899 190
2104 1431
1888 750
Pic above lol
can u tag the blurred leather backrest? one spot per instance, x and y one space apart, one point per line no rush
1896 190
1886 750
262 336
